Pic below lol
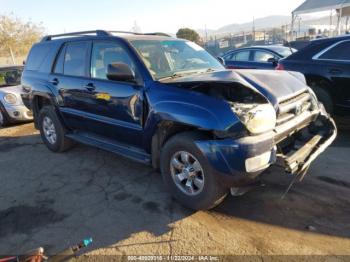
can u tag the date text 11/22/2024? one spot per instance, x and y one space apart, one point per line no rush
173 258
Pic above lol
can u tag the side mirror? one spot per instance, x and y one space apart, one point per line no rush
273 61
221 60
120 72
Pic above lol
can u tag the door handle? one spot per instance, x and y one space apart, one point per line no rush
90 87
335 71
54 81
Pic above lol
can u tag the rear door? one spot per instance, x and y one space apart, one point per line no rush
336 63
238 60
68 77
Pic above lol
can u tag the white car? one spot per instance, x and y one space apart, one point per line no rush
12 109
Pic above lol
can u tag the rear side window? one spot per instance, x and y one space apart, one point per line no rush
75 59
37 56
339 52
238 56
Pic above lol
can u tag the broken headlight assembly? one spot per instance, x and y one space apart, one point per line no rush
258 118
314 100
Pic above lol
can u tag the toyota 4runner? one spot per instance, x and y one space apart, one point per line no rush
168 103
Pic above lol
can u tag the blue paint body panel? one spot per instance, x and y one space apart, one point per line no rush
126 122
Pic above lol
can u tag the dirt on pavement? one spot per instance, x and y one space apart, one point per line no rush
55 200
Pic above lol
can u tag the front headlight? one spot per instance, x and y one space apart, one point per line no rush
314 100
258 118
10 99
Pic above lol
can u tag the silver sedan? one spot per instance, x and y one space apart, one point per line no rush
12 109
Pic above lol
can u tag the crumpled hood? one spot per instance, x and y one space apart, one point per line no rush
276 86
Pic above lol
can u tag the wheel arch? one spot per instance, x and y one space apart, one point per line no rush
325 85
166 130
321 81
39 100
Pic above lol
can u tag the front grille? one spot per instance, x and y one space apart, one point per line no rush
292 107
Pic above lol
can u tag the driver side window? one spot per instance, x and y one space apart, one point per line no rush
262 56
105 53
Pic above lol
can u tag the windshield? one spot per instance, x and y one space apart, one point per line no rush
10 77
173 58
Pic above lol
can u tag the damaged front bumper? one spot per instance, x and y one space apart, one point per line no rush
322 134
294 146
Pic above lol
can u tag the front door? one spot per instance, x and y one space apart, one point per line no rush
114 109
261 60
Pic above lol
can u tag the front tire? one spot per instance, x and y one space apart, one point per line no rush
52 131
3 119
188 175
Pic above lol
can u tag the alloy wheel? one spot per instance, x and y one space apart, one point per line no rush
49 130
187 173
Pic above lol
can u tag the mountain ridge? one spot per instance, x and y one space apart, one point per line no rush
264 23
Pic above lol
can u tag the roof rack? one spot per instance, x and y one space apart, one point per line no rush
98 33
81 33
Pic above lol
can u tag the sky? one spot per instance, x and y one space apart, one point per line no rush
150 15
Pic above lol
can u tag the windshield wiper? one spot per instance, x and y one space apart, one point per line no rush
181 74
177 75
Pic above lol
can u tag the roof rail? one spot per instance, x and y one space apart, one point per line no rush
135 33
81 33
98 33
158 33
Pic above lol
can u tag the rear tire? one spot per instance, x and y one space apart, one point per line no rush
324 97
206 192
52 131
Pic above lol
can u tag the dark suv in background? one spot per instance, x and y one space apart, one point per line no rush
326 66
168 103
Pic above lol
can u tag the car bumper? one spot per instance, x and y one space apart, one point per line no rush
238 162
17 113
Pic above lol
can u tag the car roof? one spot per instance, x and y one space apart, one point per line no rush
315 47
147 37
271 48
331 39
103 34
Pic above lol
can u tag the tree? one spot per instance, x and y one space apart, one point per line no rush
17 37
189 34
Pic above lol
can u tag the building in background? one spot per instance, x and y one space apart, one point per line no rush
334 28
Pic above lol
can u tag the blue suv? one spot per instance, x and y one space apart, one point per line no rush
168 103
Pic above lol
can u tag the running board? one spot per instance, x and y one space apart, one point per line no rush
133 153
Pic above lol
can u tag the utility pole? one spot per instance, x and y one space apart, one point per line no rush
339 23
331 23
254 29
206 33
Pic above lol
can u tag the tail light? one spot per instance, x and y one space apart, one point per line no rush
280 67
